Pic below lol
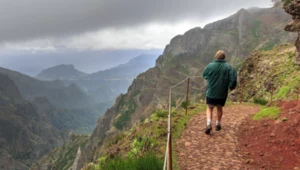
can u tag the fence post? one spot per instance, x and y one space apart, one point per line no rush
170 133
187 96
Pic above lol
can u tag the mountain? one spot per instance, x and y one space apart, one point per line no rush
103 85
61 72
36 116
186 56
81 120
62 158
107 84
292 8
24 136
264 72
55 91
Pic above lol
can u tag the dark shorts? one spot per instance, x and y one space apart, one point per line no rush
215 102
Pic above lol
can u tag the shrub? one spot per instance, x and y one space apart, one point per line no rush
283 92
260 101
146 162
139 144
162 113
184 105
286 2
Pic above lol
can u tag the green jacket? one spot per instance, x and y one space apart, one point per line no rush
220 77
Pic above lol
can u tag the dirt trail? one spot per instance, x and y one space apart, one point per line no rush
195 150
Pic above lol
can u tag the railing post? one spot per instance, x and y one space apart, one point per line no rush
170 133
187 96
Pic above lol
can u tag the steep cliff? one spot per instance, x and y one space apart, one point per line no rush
24 135
187 55
55 91
293 8
267 72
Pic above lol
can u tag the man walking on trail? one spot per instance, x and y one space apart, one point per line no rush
220 77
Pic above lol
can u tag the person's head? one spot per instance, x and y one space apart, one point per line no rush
220 55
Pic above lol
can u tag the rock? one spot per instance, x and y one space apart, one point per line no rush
187 144
293 8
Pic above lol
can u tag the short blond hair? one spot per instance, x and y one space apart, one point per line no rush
220 55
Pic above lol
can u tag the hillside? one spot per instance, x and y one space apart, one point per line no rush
106 85
187 55
276 128
61 72
81 120
25 135
264 69
37 116
62 158
55 91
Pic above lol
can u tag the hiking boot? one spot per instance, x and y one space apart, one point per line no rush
208 129
218 127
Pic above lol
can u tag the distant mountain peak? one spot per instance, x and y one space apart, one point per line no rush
61 72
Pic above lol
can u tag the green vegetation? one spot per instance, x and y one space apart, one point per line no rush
283 92
287 2
185 105
268 112
269 46
255 33
146 162
265 69
139 145
124 117
238 66
62 158
184 69
260 101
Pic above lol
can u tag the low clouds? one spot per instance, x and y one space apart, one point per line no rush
107 24
29 19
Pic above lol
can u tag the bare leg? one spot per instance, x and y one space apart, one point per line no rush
209 113
219 113
219 117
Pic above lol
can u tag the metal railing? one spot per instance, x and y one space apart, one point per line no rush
168 154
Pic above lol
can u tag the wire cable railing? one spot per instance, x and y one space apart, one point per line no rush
168 154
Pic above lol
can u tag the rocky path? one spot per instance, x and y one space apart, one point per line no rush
195 150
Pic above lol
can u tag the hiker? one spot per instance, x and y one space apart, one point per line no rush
220 77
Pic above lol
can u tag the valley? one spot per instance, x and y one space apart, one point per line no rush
65 118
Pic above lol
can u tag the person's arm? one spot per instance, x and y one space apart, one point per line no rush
205 73
232 78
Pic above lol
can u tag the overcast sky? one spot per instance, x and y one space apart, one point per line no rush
106 24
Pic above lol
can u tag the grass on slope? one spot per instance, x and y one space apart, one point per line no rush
267 112
62 158
264 69
145 143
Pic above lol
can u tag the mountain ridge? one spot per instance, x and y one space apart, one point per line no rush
25 135
61 72
187 55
